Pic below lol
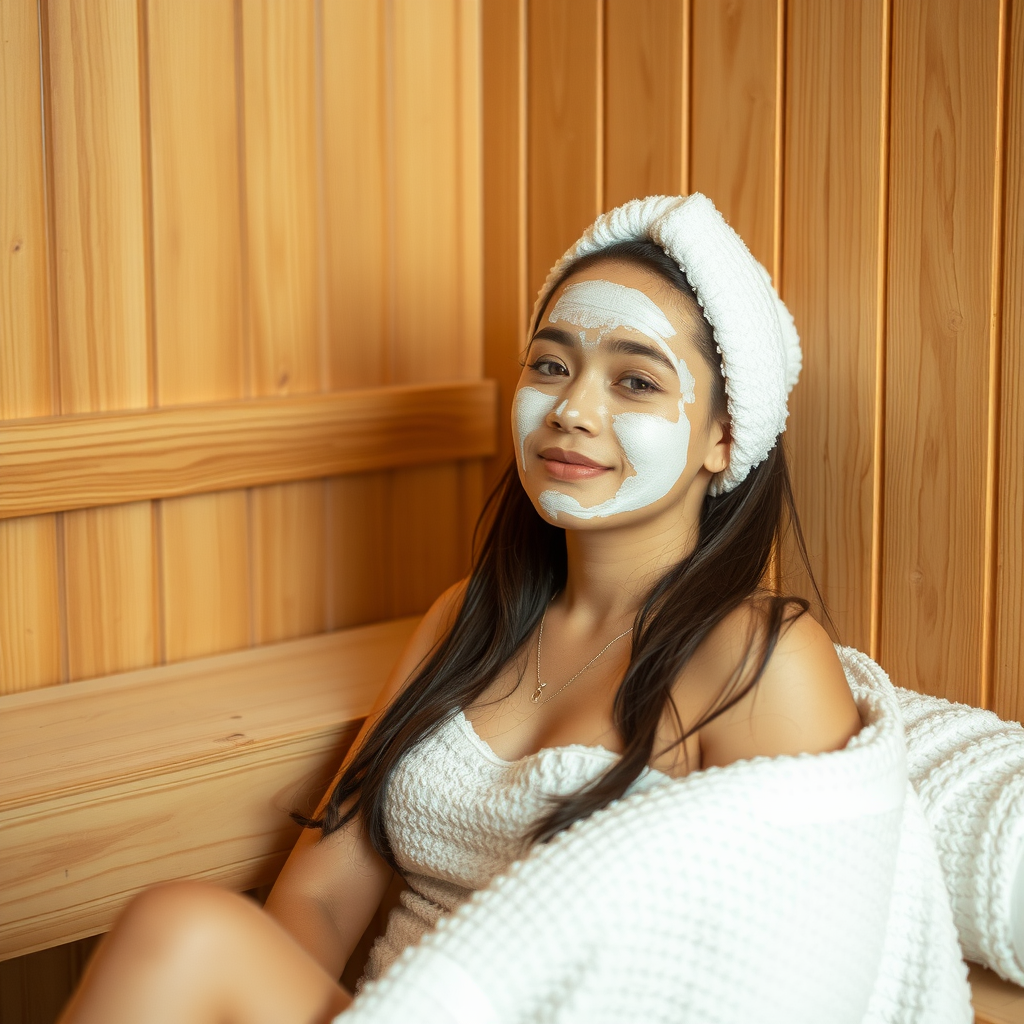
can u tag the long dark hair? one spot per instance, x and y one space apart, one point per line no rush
521 564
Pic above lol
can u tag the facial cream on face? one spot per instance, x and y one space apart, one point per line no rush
654 446
529 410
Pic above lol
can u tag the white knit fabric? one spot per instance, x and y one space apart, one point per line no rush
754 332
968 768
788 889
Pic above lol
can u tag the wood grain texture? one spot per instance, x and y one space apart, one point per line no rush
645 93
359 530
437 246
111 587
995 1001
99 206
733 115
205 577
564 120
79 462
34 989
505 302
184 771
197 300
25 352
30 653
357 176
834 78
939 287
283 293
197 273
1007 689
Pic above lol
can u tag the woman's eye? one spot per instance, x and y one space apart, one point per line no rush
549 368
639 385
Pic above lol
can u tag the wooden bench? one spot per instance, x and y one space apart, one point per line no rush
189 770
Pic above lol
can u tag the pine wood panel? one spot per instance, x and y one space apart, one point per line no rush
111 617
281 195
74 462
99 215
357 172
436 270
25 358
505 302
359 533
34 989
197 296
995 1001
939 287
835 69
185 771
564 127
98 205
205 577
1007 688
289 565
645 91
733 111
30 642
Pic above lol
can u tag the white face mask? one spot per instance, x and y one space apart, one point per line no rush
655 447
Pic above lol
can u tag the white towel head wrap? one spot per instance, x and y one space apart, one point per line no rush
754 331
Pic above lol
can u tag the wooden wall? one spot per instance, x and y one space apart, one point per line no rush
871 153
206 200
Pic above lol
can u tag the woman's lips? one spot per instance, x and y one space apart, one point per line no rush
566 465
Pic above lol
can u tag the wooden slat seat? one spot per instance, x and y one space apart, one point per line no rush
189 770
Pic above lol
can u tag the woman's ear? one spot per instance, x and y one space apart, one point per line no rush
717 459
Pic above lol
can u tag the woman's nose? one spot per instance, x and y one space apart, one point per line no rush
579 408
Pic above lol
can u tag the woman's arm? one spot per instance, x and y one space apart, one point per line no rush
801 703
328 890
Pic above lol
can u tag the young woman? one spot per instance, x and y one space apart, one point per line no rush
617 630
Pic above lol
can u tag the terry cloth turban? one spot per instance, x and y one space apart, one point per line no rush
753 330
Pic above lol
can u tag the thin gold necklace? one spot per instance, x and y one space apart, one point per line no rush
536 695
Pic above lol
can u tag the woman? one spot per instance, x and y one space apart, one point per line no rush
615 632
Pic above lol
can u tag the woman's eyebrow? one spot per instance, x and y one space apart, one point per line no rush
557 335
638 348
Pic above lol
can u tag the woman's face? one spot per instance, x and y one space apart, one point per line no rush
611 417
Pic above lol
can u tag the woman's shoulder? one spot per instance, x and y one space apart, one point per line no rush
801 703
429 632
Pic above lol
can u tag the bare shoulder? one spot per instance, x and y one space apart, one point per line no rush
801 703
430 631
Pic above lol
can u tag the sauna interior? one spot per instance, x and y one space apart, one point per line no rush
265 274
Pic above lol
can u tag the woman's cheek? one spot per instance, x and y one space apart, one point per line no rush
529 410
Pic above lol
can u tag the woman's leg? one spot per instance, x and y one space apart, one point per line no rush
189 953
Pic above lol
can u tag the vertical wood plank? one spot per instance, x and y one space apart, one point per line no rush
110 586
436 192
197 292
503 43
359 531
281 194
644 89
429 536
564 114
99 216
29 593
287 521
25 358
98 205
34 988
196 232
1008 687
944 97
205 574
834 87
357 170
288 525
733 116
29 609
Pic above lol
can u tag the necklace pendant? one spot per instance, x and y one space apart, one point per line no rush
535 696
